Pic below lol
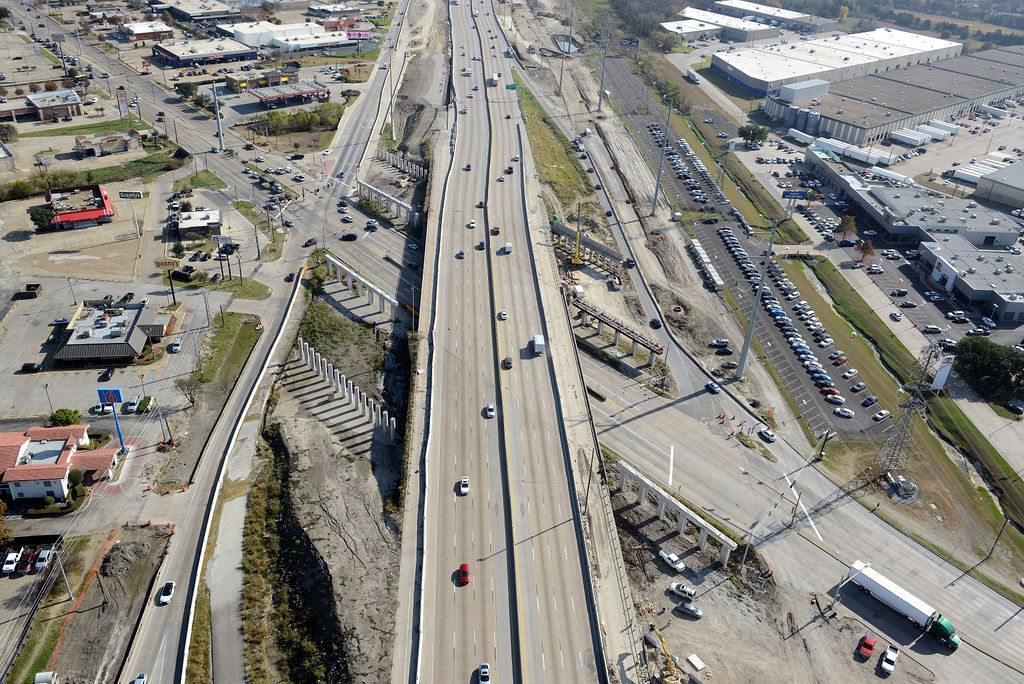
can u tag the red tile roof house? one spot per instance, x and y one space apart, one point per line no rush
35 464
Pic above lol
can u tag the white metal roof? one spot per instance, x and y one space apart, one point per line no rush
722 20
753 7
687 26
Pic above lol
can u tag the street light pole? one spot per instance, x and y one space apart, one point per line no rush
753 315
46 388
72 291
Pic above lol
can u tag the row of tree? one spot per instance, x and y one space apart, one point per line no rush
323 117
49 86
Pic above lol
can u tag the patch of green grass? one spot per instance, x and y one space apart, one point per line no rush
789 232
246 289
149 166
234 335
555 159
271 227
198 668
387 138
89 128
203 179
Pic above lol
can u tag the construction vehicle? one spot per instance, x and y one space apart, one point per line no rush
668 674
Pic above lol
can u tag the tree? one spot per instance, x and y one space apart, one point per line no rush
844 12
41 217
6 536
50 86
994 370
178 249
8 132
75 477
193 236
866 249
168 19
19 91
5 13
185 206
73 72
3 91
188 386
753 134
186 90
202 100
847 225
66 416
33 87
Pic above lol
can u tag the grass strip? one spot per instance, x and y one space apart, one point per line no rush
89 128
203 179
556 161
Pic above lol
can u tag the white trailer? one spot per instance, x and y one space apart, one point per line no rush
951 128
908 137
837 146
493 80
994 111
800 136
935 133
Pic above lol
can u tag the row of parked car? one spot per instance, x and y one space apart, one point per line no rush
27 559
802 313
682 168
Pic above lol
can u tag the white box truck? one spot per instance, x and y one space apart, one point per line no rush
538 344
493 80
508 248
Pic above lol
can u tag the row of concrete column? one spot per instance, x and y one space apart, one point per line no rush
402 164
616 335
392 205
352 280
348 390
684 514
588 255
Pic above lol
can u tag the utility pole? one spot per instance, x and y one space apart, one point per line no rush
757 300
206 303
604 60
568 47
661 162
216 115
238 256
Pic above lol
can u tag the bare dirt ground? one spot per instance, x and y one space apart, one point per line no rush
111 605
61 151
746 632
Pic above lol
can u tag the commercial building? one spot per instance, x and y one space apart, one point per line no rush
180 53
338 41
964 246
775 16
337 23
691 29
80 207
58 104
303 92
868 108
262 33
1005 186
106 331
732 29
106 16
332 10
197 10
206 222
764 70
147 30
36 463
240 82
110 142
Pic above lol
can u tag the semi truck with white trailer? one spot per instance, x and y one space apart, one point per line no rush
692 77
903 602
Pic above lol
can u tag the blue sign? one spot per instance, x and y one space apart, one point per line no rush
110 395
794 194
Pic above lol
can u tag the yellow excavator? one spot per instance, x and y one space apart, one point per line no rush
669 675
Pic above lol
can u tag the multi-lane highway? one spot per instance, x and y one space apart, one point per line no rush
525 609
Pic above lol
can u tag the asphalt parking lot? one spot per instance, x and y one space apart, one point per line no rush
818 413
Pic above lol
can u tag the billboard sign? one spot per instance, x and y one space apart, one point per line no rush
57 37
942 372
109 395
167 262
220 239
358 35
794 194
630 42
130 194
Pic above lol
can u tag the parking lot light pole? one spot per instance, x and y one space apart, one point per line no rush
757 300
75 302
46 388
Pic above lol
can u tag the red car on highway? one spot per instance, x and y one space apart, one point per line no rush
464 574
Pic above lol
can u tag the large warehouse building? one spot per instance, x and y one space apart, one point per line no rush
691 29
179 53
867 109
764 70
776 16
736 30
1005 186
196 10
263 33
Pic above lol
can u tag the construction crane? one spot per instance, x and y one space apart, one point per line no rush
668 673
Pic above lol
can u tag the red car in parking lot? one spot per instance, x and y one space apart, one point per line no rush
840 361
829 390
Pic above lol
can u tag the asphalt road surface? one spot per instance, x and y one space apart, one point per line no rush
526 614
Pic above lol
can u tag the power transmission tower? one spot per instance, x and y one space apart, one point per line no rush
892 457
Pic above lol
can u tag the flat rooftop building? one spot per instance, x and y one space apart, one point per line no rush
206 222
776 16
319 41
80 206
690 29
1005 186
103 331
867 108
199 10
764 70
179 53
291 93
263 33
732 28
147 30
